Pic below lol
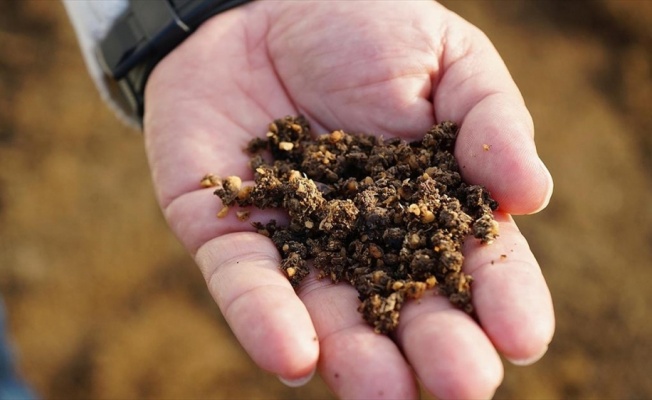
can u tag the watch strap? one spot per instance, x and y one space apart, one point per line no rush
145 33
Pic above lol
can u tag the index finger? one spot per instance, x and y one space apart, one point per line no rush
510 295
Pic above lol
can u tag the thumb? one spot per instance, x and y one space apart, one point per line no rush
495 146
496 149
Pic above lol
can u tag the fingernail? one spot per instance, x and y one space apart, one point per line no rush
550 184
528 361
293 383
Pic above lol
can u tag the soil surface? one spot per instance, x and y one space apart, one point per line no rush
103 302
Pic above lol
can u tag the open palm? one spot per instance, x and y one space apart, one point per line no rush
388 68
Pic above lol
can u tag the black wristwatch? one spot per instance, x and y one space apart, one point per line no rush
147 32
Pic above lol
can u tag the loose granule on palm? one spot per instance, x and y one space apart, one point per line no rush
388 216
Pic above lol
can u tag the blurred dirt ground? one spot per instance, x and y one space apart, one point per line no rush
103 303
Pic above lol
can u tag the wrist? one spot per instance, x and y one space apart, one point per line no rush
122 42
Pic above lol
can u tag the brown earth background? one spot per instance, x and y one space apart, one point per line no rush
103 302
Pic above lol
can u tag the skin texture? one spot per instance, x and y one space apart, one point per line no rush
389 68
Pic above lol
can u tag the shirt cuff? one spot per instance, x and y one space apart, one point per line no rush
92 21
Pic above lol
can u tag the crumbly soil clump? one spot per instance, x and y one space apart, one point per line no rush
388 216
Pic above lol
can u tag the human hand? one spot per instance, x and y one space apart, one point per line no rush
389 68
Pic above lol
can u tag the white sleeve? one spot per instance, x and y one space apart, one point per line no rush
92 20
